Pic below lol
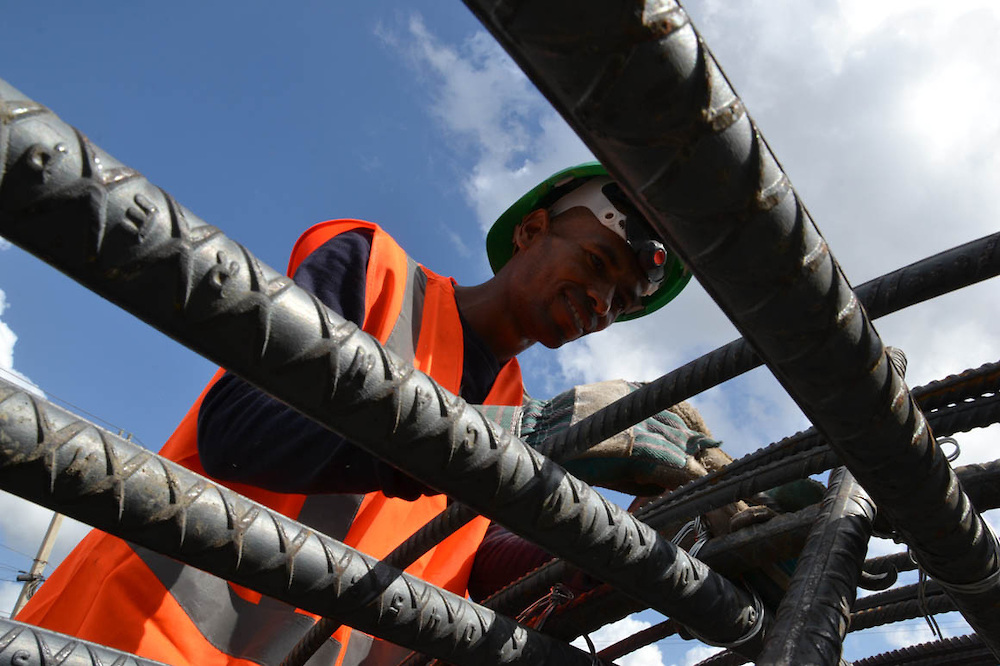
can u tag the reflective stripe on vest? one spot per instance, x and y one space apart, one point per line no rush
204 621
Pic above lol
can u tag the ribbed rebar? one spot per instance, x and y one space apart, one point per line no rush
708 182
51 458
922 280
811 623
436 530
24 645
900 603
962 417
961 403
755 546
768 469
639 640
68 202
959 651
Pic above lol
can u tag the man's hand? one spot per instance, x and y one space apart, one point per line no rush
657 454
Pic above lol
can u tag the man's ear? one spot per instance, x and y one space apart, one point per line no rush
534 225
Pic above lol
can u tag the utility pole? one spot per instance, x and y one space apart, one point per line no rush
34 575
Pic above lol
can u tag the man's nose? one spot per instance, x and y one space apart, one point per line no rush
601 297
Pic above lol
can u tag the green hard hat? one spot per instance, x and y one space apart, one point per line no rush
500 239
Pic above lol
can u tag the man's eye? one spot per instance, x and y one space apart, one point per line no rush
596 262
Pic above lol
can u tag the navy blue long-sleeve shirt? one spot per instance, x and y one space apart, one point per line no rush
246 436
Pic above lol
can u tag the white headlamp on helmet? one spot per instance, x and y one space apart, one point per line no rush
604 198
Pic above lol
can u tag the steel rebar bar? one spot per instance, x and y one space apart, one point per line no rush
963 412
24 645
50 457
811 623
755 546
707 181
100 222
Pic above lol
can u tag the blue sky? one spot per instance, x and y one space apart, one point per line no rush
264 120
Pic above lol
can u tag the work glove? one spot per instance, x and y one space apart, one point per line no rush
657 454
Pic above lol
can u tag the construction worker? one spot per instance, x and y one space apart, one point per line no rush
570 257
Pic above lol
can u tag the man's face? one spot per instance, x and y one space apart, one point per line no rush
575 277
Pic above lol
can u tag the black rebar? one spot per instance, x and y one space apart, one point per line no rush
51 458
927 278
768 468
961 403
708 183
68 202
958 651
755 546
906 602
24 645
436 530
639 640
811 622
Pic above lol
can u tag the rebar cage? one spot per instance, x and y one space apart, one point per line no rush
750 242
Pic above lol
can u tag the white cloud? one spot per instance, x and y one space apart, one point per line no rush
490 110
7 341
610 634
883 117
23 524
696 655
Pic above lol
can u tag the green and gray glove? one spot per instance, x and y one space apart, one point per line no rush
657 454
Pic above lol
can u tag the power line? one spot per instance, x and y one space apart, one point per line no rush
13 550
80 410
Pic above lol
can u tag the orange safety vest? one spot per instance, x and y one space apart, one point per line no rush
130 598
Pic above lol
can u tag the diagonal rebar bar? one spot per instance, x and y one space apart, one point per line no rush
51 458
707 181
22 644
68 202
964 401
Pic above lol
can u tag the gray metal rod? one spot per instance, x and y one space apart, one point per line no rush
50 457
961 408
23 645
779 539
100 222
977 413
927 278
642 90
812 619
951 393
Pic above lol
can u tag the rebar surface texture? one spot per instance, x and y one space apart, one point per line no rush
66 201
811 456
638 85
962 412
970 384
933 276
811 622
436 530
50 457
957 651
24 645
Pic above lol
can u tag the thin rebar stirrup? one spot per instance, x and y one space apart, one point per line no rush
73 205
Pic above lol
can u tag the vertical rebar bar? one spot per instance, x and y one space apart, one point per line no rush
813 617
